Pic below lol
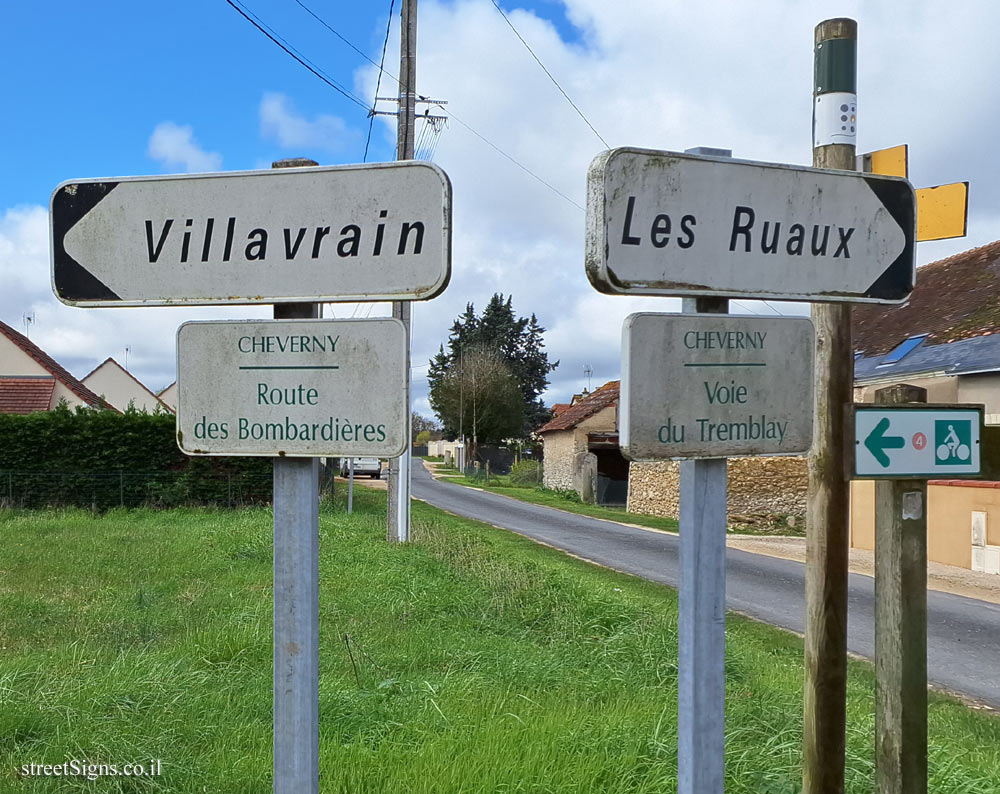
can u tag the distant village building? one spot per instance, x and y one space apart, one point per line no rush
588 425
123 390
169 396
31 380
945 338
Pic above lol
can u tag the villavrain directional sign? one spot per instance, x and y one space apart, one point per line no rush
342 233
712 386
923 441
292 387
662 223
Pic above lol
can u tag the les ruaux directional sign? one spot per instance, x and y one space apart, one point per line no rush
661 223
343 233
711 386
292 387
922 441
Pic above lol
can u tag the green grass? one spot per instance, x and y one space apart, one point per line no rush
564 500
433 458
484 663
568 500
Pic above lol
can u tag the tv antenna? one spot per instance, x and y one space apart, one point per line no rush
29 319
587 372
128 349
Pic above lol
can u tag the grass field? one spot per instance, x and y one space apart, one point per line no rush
470 660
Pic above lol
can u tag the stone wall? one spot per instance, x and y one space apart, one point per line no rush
557 466
763 492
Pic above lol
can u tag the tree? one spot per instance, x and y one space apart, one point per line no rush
420 424
511 349
482 395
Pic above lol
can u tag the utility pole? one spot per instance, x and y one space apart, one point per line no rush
828 510
398 487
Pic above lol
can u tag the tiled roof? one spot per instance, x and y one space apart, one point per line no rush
26 395
583 408
979 354
954 298
558 408
50 364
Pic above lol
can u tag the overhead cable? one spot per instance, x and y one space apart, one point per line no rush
549 75
254 20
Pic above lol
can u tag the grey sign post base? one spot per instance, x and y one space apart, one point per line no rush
295 503
296 626
701 687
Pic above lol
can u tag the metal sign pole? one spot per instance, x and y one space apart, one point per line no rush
296 604
701 684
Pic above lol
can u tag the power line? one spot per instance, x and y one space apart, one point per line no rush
350 44
371 113
515 162
549 74
263 28
258 23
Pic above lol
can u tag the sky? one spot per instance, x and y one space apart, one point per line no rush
121 88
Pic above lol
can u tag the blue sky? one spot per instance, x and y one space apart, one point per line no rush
123 88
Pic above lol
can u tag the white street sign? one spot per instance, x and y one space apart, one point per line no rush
302 388
712 386
924 441
343 233
661 223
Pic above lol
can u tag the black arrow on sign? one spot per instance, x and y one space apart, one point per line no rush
72 281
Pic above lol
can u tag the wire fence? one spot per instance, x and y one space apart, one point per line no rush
121 488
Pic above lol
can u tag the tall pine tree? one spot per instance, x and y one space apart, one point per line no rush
496 335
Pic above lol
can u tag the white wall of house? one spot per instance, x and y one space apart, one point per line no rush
169 396
120 389
14 361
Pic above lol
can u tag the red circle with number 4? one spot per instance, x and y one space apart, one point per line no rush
919 441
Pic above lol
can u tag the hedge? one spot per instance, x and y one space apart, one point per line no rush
97 458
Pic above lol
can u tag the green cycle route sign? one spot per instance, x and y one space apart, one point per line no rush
922 441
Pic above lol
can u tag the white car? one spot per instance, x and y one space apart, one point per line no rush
370 466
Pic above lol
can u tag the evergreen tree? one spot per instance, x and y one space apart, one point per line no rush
512 349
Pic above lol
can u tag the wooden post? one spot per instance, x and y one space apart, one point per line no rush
828 509
901 624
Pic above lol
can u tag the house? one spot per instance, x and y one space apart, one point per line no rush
945 338
588 425
31 380
168 395
122 390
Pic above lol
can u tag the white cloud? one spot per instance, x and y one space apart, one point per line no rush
666 76
175 147
279 121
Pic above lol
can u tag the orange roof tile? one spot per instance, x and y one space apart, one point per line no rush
954 298
583 408
25 395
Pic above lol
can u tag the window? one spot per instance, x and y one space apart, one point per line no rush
901 350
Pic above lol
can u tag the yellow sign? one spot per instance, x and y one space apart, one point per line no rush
890 162
942 211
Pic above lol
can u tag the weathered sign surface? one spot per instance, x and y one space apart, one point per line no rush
711 386
926 441
292 387
344 233
661 223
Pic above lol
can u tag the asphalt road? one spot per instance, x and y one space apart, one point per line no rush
963 634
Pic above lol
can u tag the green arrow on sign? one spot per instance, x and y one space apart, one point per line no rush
877 442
